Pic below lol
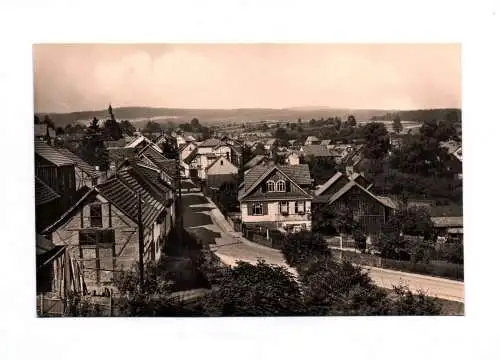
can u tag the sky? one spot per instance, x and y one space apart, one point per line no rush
78 77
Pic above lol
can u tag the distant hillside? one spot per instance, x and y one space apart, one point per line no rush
212 116
418 116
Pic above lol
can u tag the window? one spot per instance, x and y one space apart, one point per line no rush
222 162
270 185
284 207
280 185
95 215
300 207
257 208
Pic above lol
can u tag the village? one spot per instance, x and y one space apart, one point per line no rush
115 203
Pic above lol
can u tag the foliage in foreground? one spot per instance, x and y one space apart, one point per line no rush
256 290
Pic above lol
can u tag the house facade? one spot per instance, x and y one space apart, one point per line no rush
292 159
101 231
220 171
371 211
277 197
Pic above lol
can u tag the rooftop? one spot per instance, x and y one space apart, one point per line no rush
51 154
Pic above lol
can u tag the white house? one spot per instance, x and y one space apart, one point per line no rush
292 158
221 170
277 197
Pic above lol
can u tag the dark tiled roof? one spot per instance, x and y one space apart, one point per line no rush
211 143
43 245
352 184
79 162
253 175
317 150
164 164
43 193
329 183
298 173
151 175
191 156
51 154
257 159
121 191
120 154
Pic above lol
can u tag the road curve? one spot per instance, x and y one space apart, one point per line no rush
205 218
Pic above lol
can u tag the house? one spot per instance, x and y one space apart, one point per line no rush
454 159
256 160
292 158
361 180
221 171
44 133
325 142
167 167
269 144
312 140
451 228
205 153
102 230
317 151
276 197
56 275
140 142
369 210
85 174
57 171
47 204
186 149
117 155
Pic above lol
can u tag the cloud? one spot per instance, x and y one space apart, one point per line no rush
72 78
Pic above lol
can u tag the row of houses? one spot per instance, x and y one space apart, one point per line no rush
284 198
100 222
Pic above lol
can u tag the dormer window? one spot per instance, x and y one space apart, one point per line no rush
280 186
270 186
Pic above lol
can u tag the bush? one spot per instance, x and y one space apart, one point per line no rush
303 247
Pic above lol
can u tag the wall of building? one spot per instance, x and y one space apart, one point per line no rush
275 215
222 166
124 253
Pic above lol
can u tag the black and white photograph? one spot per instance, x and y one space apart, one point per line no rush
248 179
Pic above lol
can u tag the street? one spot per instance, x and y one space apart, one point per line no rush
203 218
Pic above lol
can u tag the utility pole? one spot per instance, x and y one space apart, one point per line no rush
141 240
179 214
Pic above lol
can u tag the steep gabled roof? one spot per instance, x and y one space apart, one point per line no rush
256 160
169 166
352 184
79 162
257 174
44 193
191 156
51 154
328 183
217 159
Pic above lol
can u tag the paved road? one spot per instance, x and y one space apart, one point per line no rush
204 219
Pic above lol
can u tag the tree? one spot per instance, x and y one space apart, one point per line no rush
360 240
396 124
169 148
112 130
376 140
304 247
227 197
322 168
255 290
50 124
37 119
92 148
282 134
152 127
260 150
351 121
195 123
334 220
127 128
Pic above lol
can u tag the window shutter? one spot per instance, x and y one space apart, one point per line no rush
287 186
264 208
249 208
